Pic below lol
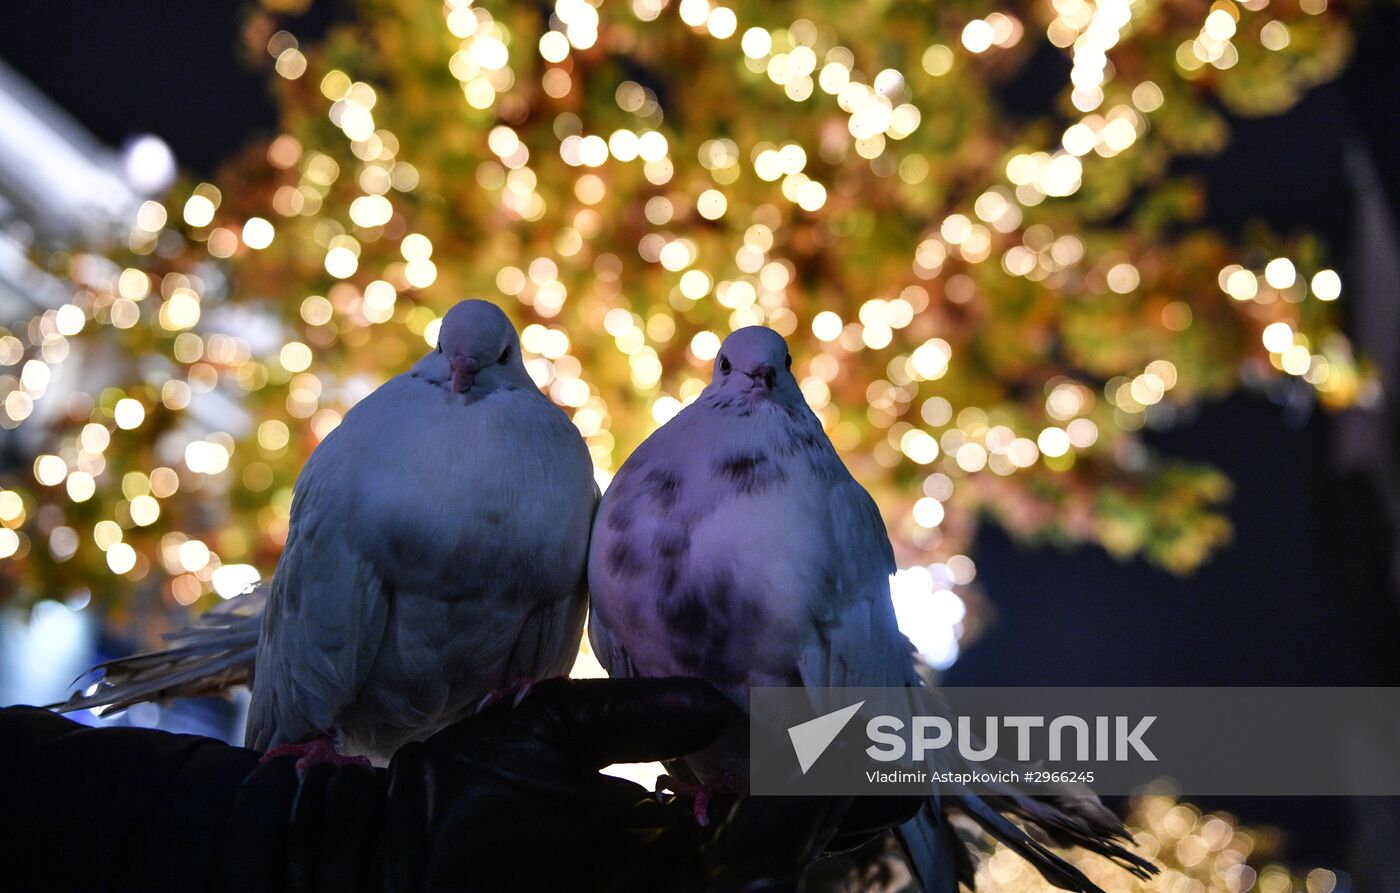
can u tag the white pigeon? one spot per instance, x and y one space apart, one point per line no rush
436 554
734 545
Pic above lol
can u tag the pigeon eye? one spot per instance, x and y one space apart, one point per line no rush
789 361
724 365
505 357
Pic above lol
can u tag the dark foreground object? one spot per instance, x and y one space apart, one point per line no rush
509 799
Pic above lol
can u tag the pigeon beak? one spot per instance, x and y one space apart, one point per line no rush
464 370
763 375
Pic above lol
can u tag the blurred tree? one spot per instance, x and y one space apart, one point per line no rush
985 306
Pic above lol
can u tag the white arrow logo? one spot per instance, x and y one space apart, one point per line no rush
810 739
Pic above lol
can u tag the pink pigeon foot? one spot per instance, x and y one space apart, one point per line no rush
318 750
515 693
699 794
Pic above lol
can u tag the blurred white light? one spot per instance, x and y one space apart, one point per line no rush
149 165
602 478
128 413
978 36
644 774
826 326
121 558
1053 442
39 659
234 579
257 233
928 616
722 22
756 43
1327 285
1280 273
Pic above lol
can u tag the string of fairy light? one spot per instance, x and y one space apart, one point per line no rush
753 282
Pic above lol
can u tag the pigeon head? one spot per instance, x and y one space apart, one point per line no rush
479 348
754 362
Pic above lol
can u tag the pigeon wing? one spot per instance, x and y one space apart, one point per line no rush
859 645
855 638
606 647
609 650
326 614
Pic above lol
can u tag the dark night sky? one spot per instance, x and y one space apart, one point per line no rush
1264 611
160 66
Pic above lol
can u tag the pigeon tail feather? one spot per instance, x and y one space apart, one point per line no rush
1077 820
1067 821
938 859
210 656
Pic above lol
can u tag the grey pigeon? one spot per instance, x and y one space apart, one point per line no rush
734 546
436 554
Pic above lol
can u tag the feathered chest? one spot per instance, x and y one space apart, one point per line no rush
419 472
721 449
